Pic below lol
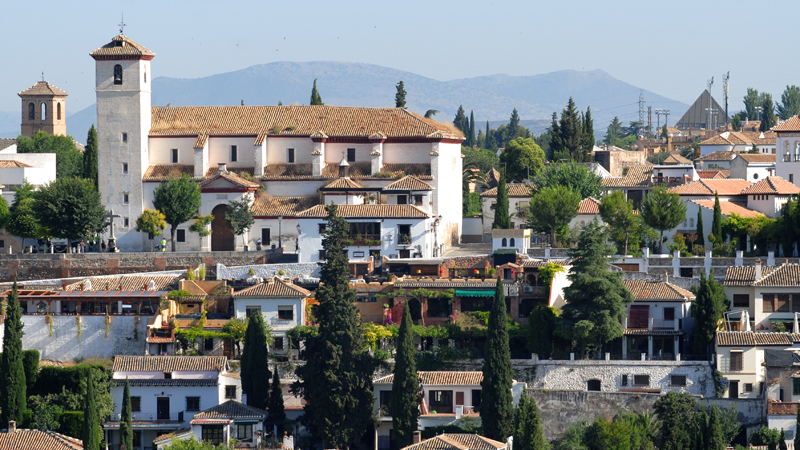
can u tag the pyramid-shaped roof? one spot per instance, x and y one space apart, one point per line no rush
43 88
696 117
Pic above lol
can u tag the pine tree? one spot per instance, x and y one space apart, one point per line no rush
277 411
528 429
714 439
315 97
471 137
91 426
90 157
255 363
338 372
501 218
588 133
497 411
513 126
461 122
405 387
400 96
716 224
12 371
701 238
125 425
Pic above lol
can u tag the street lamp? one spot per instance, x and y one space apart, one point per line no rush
280 232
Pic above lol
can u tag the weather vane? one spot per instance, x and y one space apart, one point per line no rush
122 24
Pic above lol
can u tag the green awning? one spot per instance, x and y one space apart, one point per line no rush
473 293
789 320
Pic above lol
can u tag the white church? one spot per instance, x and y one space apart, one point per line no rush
400 172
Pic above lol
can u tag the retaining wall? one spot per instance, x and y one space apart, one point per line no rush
301 271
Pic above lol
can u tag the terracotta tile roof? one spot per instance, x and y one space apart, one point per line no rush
267 205
456 441
124 363
750 338
296 121
43 88
408 183
212 171
709 187
646 332
356 170
589 206
729 208
201 140
125 283
344 183
676 159
465 262
785 275
719 155
377 211
233 178
158 172
121 46
5 143
757 158
544 262
160 340
635 176
657 290
210 324
401 169
231 410
166 438
441 378
673 130
793 124
288 171
275 287
445 283
714 174
38 440
514 190
772 185
744 276
12 164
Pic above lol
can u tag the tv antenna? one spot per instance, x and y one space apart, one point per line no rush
725 79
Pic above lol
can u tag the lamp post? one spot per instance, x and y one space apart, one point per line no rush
280 232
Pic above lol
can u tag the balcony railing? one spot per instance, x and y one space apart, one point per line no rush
364 240
150 417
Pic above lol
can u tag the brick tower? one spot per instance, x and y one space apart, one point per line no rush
43 109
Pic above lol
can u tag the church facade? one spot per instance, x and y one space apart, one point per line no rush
283 159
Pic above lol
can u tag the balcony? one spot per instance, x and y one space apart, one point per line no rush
363 240
151 417
669 181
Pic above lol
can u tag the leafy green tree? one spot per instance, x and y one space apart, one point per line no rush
502 220
405 388
789 234
151 222
90 157
541 323
523 159
675 410
70 208
431 112
179 200
338 370
255 363
240 216
662 210
768 120
90 433
716 223
30 362
481 159
461 122
701 239
69 160
618 214
236 329
201 226
399 97
44 417
596 298
277 411
22 221
752 100
574 437
790 103
552 208
5 214
497 410
576 177
126 417
315 97
766 436
707 308
12 370
528 429
797 427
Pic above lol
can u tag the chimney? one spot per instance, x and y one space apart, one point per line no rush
758 269
223 168
344 168
417 437
12 426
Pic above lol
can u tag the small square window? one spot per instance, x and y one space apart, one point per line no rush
795 386
124 168
265 236
641 380
230 391
234 154
125 137
180 235
624 381
677 380
322 255
285 313
193 403
290 155
277 343
748 387
125 199
250 310
669 313
321 228
136 404
126 222
174 156
208 343
167 375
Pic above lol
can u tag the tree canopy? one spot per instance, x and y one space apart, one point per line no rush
663 210
709 305
618 214
790 103
151 222
69 160
179 200
577 177
552 208
70 208
522 158
240 215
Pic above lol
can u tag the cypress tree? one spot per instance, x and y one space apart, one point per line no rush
12 370
471 137
701 238
315 97
400 96
716 225
714 439
700 426
528 429
571 132
461 122
707 309
90 157
497 411
782 442
490 141
338 372
556 146
501 218
588 134
405 387
125 425
91 426
513 126
277 411
797 431
255 363
769 119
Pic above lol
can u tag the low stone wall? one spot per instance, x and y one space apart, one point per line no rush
39 266
307 272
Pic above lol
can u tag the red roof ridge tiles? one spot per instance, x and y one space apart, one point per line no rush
43 88
385 211
24 439
408 183
792 124
514 190
122 47
589 205
772 185
729 208
127 363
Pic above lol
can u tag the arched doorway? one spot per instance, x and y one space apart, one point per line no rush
221 235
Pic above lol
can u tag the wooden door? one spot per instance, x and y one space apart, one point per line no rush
221 235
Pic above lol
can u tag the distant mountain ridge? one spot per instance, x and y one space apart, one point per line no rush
492 97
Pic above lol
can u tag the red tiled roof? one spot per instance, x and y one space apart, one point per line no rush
719 155
231 410
744 276
793 124
6 164
715 173
634 176
709 187
657 290
757 157
457 441
165 438
124 363
440 378
344 183
785 275
267 205
772 185
121 46
43 88
589 206
514 190
275 287
385 211
751 338
158 172
729 208
233 178
408 183
124 283
38 440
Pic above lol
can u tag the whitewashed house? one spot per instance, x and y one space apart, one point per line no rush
166 393
518 239
787 164
519 201
752 167
740 359
281 303
219 424
739 141
588 210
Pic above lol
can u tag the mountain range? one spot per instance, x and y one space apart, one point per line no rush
354 84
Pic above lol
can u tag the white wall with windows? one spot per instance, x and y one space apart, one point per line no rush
280 314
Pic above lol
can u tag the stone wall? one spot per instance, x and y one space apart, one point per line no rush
307 272
39 266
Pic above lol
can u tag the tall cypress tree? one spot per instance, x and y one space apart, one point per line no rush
91 426
125 425
405 387
588 134
471 137
556 146
315 97
707 309
338 372
12 371
716 225
501 218
497 410
528 428
768 120
490 141
701 238
255 363
714 439
782 442
400 96
90 157
277 411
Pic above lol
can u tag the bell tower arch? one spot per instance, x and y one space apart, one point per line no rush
43 109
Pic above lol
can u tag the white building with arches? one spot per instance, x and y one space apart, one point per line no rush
787 163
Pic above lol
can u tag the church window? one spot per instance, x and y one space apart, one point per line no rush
513 244
504 243
174 156
31 111
234 154
44 111
58 111
117 74
124 167
125 137
125 199
126 222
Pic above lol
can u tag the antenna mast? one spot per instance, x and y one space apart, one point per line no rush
649 122
725 79
641 112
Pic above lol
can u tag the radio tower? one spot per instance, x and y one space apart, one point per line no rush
708 111
649 121
641 112
725 79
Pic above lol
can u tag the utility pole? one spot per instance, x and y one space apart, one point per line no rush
649 122
708 110
641 112
725 79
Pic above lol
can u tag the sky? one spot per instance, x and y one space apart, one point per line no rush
671 48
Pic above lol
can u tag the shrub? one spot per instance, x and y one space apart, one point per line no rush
30 362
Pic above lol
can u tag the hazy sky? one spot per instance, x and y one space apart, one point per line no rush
671 48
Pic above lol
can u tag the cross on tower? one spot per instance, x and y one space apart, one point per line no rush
121 24
42 76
